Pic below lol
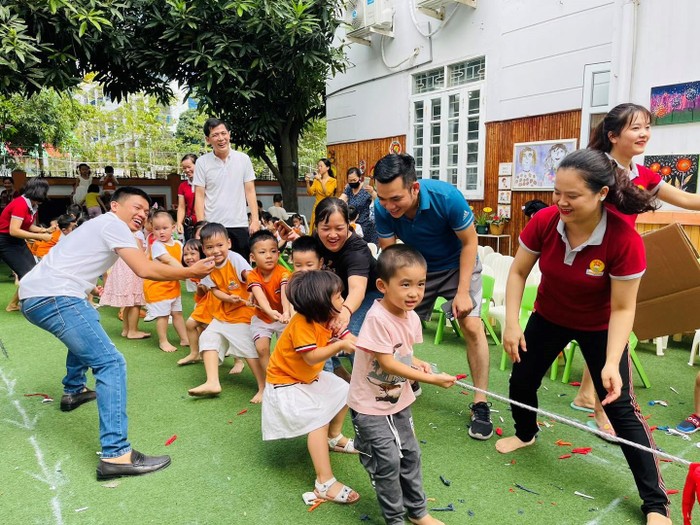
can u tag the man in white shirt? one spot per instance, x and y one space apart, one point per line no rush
53 297
224 180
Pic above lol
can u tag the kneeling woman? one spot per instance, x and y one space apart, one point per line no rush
592 262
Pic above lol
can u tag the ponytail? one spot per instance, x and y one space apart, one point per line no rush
616 120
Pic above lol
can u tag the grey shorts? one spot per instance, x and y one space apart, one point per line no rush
444 283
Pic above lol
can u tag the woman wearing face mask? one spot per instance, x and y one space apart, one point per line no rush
362 197
185 198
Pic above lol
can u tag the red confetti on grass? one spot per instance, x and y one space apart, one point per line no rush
583 450
460 376
672 491
242 412
171 440
464 392
39 394
561 443
499 431
512 462
575 383
653 428
565 456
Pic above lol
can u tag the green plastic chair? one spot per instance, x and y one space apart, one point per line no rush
569 355
527 306
282 262
442 318
487 284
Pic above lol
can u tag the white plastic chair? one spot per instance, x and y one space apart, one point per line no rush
374 249
501 267
487 250
694 347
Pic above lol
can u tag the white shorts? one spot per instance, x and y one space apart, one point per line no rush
228 339
164 308
295 410
260 328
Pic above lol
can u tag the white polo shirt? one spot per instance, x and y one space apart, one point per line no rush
224 192
73 266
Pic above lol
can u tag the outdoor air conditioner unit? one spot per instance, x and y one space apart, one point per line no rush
364 17
436 8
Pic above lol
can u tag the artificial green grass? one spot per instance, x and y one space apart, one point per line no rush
223 472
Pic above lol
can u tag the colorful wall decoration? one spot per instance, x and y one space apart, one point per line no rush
676 103
681 171
535 163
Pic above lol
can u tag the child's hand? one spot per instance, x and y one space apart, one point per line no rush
422 366
98 290
348 345
46 237
234 299
442 379
276 315
285 318
51 228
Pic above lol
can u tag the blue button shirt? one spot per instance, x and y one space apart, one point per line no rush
442 211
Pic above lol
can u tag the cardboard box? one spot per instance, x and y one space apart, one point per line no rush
669 294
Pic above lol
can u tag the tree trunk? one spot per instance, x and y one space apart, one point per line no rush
288 163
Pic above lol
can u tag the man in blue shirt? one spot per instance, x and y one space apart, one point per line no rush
433 217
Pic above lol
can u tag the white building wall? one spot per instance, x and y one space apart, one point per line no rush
535 53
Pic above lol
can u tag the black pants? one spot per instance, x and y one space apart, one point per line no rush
16 254
239 241
544 342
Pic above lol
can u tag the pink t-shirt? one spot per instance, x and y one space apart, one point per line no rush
373 391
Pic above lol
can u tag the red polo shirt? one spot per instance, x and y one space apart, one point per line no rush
575 287
643 178
186 190
18 209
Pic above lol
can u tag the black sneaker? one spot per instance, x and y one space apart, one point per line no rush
481 426
417 390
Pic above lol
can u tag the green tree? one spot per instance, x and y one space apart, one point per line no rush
189 132
260 64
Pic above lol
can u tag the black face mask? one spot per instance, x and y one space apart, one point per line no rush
354 185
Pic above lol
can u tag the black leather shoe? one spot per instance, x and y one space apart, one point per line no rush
140 464
72 401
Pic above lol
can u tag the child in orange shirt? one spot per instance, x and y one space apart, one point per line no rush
267 283
64 225
229 331
163 297
300 398
204 303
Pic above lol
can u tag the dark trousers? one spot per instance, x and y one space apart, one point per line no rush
545 340
16 254
391 456
239 241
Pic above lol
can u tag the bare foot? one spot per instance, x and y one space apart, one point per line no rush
584 402
206 389
190 360
654 518
511 444
425 520
136 334
257 398
184 343
12 308
167 347
123 333
238 366
603 422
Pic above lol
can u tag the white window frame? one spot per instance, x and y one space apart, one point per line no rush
444 95
587 109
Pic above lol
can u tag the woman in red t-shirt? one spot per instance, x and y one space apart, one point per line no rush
624 134
17 227
185 197
592 262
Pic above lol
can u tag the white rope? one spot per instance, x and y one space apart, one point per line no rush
575 424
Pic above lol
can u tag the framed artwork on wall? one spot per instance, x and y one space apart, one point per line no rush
536 163
675 103
681 171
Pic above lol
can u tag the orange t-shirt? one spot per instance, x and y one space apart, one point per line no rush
228 278
41 248
286 364
155 291
205 305
272 288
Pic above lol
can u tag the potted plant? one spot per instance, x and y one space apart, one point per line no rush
497 223
482 220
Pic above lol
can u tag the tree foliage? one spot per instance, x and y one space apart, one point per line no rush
260 64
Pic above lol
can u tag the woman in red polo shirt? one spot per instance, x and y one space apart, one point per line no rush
592 261
185 198
623 134
17 226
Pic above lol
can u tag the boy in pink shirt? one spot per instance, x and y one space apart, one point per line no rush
380 394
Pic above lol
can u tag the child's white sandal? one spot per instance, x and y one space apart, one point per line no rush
348 448
342 496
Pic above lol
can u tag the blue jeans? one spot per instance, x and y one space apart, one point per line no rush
77 325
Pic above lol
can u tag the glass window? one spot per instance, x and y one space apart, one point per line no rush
428 81
601 89
465 72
